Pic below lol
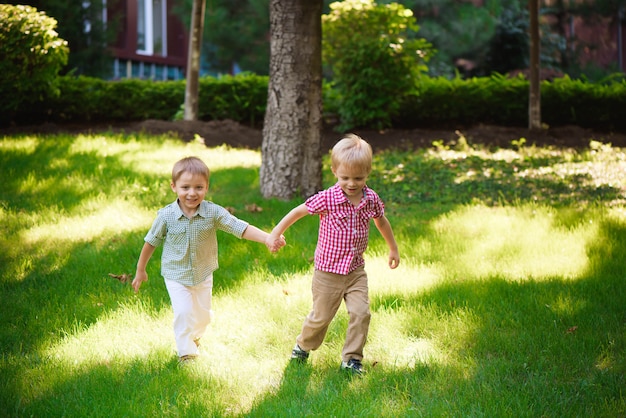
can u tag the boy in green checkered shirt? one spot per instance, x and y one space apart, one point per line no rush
187 229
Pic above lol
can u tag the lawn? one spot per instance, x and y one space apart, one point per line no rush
510 300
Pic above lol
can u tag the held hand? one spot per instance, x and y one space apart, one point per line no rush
280 243
140 277
274 243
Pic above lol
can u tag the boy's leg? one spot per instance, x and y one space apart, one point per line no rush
202 313
358 306
327 290
185 324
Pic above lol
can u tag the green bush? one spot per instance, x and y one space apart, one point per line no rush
374 58
86 99
438 102
31 56
241 98
433 102
590 105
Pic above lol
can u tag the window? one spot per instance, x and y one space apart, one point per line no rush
152 27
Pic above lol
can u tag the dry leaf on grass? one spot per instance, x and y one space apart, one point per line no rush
254 208
124 278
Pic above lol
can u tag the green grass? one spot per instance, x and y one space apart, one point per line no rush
510 299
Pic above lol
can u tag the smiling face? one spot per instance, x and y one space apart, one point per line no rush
191 189
351 179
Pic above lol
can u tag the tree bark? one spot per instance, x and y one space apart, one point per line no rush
534 97
291 154
192 86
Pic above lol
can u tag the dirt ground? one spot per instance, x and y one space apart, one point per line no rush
237 135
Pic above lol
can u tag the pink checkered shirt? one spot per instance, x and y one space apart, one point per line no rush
344 228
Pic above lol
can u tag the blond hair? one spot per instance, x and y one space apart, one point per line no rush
193 165
353 152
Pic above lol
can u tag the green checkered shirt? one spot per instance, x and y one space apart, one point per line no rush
190 244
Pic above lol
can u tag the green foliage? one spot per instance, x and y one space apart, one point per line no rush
238 32
459 31
81 24
86 99
241 98
432 102
504 101
235 32
31 56
509 48
374 58
439 101
593 105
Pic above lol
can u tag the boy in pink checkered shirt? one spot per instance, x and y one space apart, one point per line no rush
345 210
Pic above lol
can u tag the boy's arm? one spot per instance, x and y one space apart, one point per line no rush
383 225
253 233
289 219
141 275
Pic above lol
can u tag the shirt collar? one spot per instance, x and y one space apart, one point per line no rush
340 197
203 210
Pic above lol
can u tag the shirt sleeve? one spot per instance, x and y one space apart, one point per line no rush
156 234
229 223
379 210
317 203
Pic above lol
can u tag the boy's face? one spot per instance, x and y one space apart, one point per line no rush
351 179
191 189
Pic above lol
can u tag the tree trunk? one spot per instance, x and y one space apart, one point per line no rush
534 97
291 155
193 60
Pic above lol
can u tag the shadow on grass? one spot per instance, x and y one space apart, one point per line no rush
528 348
561 342
554 178
69 288
66 286
141 388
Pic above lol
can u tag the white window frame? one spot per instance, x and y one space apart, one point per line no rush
148 14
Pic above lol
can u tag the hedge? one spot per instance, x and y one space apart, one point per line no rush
435 102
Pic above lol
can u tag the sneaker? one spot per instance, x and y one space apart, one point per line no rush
186 360
299 355
353 366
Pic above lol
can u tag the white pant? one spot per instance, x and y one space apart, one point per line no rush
192 313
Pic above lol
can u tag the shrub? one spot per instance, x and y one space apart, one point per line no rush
241 98
86 99
438 102
590 105
31 56
432 103
374 59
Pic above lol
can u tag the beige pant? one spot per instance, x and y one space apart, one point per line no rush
329 290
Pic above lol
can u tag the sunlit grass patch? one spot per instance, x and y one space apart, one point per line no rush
160 157
478 175
23 144
509 299
513 242
92 221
